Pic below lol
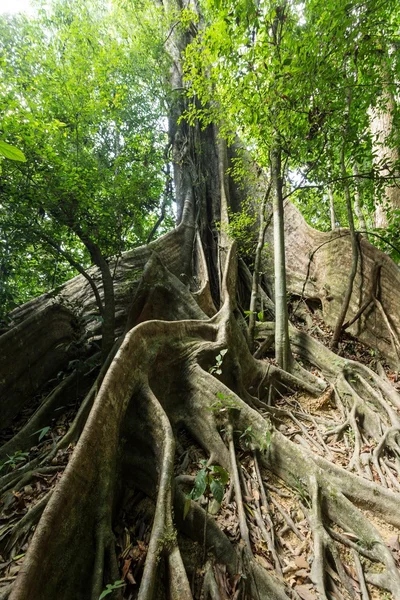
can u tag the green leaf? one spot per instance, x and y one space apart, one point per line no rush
11 152
200 485
110 587
217 490
222 474
42 432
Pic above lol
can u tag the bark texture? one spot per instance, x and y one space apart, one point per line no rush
386 155
318 267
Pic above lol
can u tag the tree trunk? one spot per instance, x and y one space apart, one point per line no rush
357 203
353 236
282 349
354 256
108 313
386 155
332 208
262 226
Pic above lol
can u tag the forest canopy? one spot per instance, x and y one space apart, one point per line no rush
82 95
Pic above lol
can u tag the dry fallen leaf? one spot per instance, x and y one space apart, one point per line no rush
125 569
301 562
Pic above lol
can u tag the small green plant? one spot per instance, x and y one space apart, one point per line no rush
224 403
247 437
14 460
260 314
110 587
217 368
42 432
302 492
351 436
247 313
250 439
265 442
210 482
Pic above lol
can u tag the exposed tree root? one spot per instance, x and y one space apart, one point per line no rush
72 386
30 519
158 383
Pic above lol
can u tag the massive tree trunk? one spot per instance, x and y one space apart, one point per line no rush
167 396
386 155
318 266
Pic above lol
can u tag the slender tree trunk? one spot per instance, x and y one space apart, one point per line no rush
332 209
257 266
357 202
76 266
353 235
108 316
282 347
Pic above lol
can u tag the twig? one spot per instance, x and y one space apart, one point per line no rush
360 575
244 531
288 519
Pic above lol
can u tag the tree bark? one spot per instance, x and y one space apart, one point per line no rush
332 209
386 155
262 226
357 202
353 236
282 349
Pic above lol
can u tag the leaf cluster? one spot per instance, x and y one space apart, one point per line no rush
81 94
210 481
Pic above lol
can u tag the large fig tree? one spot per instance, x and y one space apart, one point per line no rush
139 465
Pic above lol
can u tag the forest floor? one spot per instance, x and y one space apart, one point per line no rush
304 419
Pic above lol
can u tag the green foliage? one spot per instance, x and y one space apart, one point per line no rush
81 94
217 367
265 443
11 152
260 314
388 239
302 492
188 17
242 228
210 481
111 587
42 432
224 404
249 439
15 460
278 75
